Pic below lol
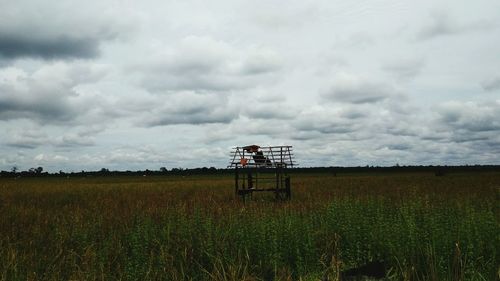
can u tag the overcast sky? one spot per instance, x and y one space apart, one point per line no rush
145 84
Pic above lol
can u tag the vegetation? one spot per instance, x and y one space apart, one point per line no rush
171 227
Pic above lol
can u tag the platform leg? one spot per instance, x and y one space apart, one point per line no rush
236 181
288 189
250 180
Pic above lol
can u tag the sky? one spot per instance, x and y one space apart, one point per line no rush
134 85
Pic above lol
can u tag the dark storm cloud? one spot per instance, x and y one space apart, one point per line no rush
40 109
61 47
57 30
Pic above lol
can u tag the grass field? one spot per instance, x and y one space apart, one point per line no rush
192 228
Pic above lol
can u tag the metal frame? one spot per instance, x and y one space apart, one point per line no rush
262 168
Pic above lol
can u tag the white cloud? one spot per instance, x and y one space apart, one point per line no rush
201 63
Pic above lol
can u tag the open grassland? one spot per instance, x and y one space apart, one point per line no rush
192 228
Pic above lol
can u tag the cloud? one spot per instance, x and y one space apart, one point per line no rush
28 139
191 108
325 120
460 131
378 130
48 95
270 110
29 136
75 140
353 112
442 24
352 89
259 61
264 128
62 47
405 69
38 30
491 84
203 64
42 158
275 16
471 117
399 146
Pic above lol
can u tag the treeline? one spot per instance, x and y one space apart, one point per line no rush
437 170
107 172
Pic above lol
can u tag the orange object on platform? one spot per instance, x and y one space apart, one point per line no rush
243 161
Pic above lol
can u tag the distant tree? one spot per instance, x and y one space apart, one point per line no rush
14 169
177 170
163 170
39 170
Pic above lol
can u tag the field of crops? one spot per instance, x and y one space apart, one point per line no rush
422 227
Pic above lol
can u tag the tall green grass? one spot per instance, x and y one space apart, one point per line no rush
174 228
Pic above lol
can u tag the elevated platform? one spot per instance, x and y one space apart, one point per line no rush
261 169
262 156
